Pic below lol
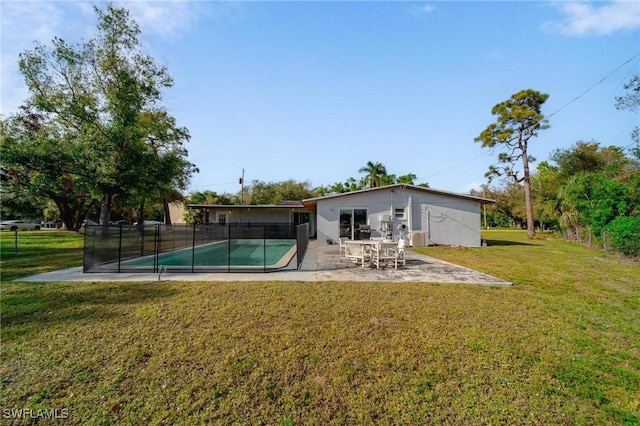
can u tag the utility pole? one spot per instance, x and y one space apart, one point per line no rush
484 208
242 187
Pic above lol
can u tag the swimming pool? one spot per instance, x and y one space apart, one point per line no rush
235 254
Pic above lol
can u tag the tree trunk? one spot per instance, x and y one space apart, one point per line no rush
105 209
71 217
65 214
140 220
528 200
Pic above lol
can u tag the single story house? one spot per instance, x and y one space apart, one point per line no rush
421 216
286 212
176 212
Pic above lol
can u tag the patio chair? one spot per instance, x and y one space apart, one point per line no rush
341 242
401 252
354 252
383 253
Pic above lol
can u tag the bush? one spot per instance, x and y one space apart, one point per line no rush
624 234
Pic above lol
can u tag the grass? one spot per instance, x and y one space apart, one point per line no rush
38 252
561 346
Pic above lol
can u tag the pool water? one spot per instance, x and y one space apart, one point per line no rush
271 253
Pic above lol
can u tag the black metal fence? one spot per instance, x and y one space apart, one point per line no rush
302 242
211 247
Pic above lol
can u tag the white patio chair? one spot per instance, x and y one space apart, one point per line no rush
354 252
402 252
383 253
341 242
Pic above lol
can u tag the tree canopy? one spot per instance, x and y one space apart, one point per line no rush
585 191
519 119
275 192
95 109
631 102
375 175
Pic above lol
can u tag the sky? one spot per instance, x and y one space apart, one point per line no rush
312 91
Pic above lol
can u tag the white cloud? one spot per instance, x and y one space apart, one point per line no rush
422 9
164 18
24 22
473 186
584 18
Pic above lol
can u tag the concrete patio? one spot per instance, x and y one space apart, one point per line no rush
321 263
325 261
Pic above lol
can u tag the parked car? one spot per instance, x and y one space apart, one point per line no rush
14 225
149 222
84 224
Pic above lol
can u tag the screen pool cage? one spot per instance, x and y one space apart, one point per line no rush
210 247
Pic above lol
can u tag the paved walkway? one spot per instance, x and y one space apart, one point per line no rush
322 263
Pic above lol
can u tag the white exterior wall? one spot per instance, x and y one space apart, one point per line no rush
253 215
260 215
377 203
438 218
447 220
176 212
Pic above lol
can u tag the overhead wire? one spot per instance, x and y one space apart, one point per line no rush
593 86
636 55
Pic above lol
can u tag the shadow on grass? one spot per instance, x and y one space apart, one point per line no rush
508 243
49 304
33 261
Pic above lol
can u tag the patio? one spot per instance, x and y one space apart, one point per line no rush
324 260
321 263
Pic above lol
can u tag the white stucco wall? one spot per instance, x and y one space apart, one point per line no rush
447 220
261 215
249 215
440 218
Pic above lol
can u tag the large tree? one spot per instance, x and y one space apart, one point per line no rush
106 94
519 119
631 101
590 157
275 192
376 174
46 159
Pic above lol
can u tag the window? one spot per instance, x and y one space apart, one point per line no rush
399 213
350 221
221 218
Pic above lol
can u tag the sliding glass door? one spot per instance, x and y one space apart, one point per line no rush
350 221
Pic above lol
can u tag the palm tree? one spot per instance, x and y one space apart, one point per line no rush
376 174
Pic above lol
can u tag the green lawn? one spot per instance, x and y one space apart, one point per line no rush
561 346
38 252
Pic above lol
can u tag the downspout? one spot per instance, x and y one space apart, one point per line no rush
429 226
391 215
409 216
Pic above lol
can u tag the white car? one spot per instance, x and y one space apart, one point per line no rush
14 225
150 222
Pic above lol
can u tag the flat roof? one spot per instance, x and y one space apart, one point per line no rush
297 205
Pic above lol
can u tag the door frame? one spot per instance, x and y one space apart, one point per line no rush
352 227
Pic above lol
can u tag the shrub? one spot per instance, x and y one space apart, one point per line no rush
624 234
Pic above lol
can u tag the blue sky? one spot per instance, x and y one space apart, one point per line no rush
311 91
